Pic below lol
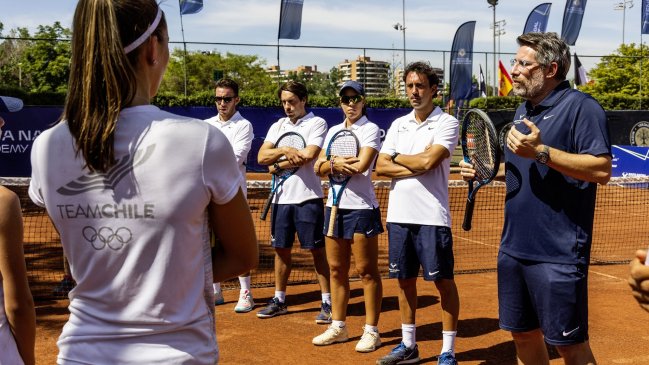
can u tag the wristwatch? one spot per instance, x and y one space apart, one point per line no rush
544 156
393 156
276 166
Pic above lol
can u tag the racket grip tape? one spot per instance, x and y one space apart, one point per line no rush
332 220
264 210
468 214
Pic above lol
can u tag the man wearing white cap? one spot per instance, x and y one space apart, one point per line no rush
17 316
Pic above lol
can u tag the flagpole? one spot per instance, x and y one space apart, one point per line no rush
182 30
279 29
641 59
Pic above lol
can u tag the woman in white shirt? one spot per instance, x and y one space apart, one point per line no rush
132 190
357 225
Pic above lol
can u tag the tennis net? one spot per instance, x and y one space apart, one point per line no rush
619 230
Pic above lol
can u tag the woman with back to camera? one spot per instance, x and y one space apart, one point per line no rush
357 225
131 190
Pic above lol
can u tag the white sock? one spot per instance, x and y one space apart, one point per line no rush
370 328
339 324
448 341
245 283
326 298
216 287
281 295
408 332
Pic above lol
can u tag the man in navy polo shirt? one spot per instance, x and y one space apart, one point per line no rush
557 152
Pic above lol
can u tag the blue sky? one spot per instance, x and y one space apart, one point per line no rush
430 25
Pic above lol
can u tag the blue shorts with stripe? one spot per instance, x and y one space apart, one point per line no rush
306 219
412 246
549 296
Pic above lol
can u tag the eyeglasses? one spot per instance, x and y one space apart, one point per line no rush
523 63
226 99
348 100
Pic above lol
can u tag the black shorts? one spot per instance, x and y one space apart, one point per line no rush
306 219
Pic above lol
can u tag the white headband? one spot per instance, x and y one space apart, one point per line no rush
136 43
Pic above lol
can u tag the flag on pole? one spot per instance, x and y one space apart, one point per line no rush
537 21
504 80
190 6
572 16
580 73
462 62
290 19
645 17
482 85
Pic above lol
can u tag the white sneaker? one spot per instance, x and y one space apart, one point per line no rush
369 342
245 303
331 335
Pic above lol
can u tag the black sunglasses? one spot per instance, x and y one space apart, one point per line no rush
350 99
226 99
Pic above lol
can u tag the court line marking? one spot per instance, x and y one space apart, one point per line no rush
605 275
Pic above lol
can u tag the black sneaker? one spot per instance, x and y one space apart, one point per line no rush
400 355
274 308
324 317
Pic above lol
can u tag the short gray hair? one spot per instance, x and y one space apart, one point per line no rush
549 48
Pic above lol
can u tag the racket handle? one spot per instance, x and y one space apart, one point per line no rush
468 214
332 220
264 210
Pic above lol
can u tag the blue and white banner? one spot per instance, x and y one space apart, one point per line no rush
462 61
290 19
630 161
645 17
537 21
572 17
482 85
190 6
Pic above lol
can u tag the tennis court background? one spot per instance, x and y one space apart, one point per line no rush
620 229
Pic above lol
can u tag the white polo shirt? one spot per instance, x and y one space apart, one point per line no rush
8 349
238 131
137 237
421 199
359 193
304 184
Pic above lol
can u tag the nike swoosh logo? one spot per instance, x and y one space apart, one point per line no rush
369 232
548 116
566 334
432 273
393 265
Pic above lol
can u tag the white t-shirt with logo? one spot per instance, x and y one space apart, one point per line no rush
359 192
137 237
304 184
421 199
238 131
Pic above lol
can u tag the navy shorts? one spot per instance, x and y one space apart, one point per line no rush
350 221
412 246
552 297
305 219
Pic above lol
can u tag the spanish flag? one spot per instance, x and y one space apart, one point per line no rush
504 80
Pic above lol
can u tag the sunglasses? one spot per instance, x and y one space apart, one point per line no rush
348 100
226 99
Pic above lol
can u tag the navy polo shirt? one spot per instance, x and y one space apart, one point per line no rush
549 216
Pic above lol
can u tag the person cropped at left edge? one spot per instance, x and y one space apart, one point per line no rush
17 316
357 224
132 191
297 206
238 131
639 279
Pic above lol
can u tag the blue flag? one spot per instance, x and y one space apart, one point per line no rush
537 21
645 17
290 19
572 17
190 6
462 61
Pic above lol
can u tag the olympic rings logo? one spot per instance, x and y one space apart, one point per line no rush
105 236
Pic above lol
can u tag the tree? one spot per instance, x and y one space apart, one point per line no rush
47 59
622 72
12 54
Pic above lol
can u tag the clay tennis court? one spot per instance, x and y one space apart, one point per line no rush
618 335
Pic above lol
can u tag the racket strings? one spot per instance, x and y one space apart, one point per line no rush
291 140
344 145
483 149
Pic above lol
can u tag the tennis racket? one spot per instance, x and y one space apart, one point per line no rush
288 139
479 148
343 144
